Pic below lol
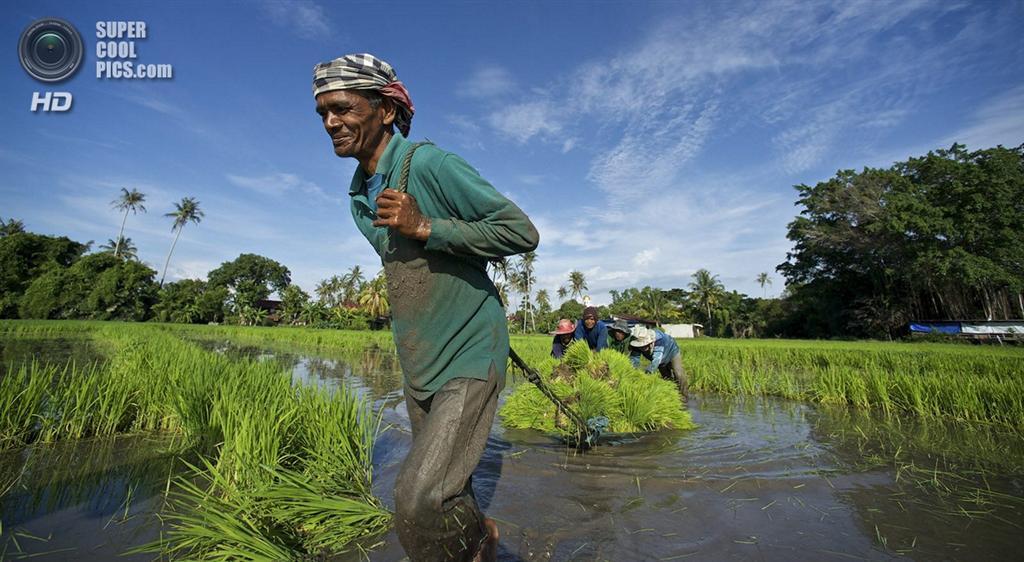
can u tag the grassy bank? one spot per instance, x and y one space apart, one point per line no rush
278 471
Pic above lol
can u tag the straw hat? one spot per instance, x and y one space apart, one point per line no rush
642 337
565 326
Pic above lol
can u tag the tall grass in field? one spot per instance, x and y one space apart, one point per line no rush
284 471
948 381
596 384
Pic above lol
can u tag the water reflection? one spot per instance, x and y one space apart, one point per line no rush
760 478
50 351
89 499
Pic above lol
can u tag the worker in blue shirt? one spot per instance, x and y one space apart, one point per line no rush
662 351
591 329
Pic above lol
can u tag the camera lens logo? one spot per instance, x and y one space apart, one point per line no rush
50 50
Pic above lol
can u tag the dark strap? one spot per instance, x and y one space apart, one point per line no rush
403 178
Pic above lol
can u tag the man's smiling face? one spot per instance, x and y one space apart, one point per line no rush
355 127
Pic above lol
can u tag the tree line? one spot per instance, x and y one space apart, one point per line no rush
935 237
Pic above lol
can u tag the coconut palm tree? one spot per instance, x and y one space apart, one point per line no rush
185 211
128 201
352 282
499 269
763 279
12 226
562 292
577 283
707 290
374 296
523 280
125 245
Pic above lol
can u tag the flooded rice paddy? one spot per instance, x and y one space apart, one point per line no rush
759 478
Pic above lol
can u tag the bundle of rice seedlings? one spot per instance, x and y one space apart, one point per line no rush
597 384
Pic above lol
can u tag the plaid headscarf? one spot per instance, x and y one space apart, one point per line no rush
365 72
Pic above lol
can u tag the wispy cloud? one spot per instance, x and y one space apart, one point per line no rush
487 83
1000 121
279 184
523 121
304 18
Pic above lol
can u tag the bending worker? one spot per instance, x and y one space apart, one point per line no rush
563 336
591 329
620 337
448 323
662 351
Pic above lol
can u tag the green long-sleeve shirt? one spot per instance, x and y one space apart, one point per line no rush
446 316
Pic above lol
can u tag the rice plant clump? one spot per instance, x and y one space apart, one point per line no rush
597 384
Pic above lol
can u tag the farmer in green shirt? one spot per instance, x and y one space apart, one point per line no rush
619 336
434 240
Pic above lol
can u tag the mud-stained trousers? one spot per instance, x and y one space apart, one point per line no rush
673 371
437 517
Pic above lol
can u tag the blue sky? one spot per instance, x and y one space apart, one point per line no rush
646 141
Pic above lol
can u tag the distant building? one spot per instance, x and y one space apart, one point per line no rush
684 331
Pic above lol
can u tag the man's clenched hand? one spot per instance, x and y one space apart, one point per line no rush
400 211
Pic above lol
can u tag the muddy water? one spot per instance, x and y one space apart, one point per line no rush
759 479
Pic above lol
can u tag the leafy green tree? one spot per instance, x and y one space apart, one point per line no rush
184 212
293 300
125 291
940 236
98 286
24 257
190 301
250 278
127 201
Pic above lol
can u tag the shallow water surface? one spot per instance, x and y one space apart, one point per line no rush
758 479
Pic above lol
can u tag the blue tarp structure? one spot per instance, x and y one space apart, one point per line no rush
949 328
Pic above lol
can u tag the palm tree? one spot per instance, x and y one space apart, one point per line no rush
12 226
187 210
128 201
502 289
707 289
543 301
499 269
577 283
763 279
374 296
352 282
563 292
127 248
523 280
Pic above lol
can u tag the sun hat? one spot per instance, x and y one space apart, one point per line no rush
642 337
565 326
620 326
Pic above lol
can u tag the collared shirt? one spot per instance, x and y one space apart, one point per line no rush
374 185
447 319
662 352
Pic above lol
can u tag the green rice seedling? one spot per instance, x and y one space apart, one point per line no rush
649 403
528 408
578 355
601 384
22 395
